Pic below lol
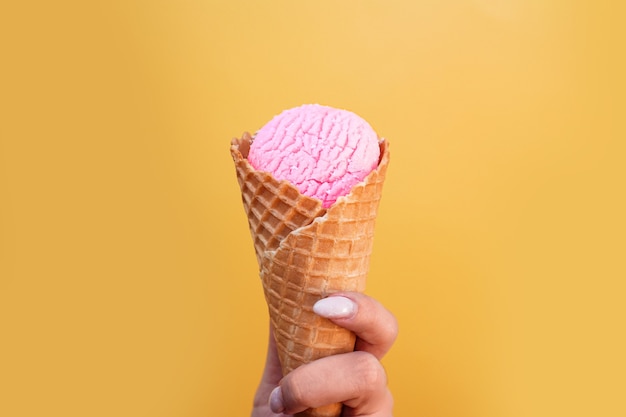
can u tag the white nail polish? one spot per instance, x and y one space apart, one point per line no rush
276 401
337 307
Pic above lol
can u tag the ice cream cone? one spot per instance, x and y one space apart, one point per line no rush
306 252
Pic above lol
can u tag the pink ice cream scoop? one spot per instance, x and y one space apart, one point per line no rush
321 150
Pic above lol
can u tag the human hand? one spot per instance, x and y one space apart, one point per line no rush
356 379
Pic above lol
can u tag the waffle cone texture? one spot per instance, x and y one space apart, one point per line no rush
306 252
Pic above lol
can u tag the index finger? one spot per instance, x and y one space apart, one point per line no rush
376 327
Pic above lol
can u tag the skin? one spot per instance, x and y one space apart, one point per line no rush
356 379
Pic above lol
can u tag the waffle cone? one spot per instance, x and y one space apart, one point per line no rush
306 252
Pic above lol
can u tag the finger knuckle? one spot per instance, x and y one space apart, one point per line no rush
393 329
293 393
372 376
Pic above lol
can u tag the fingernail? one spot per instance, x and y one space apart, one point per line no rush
337 307
276 401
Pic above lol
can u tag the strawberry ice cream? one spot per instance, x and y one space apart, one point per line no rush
322 151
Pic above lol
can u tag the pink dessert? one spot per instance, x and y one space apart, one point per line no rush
321 150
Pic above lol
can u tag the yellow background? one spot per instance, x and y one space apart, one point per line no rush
128 284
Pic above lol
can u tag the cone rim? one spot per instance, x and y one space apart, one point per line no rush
241 155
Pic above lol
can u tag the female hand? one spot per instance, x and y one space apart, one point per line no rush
356 379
